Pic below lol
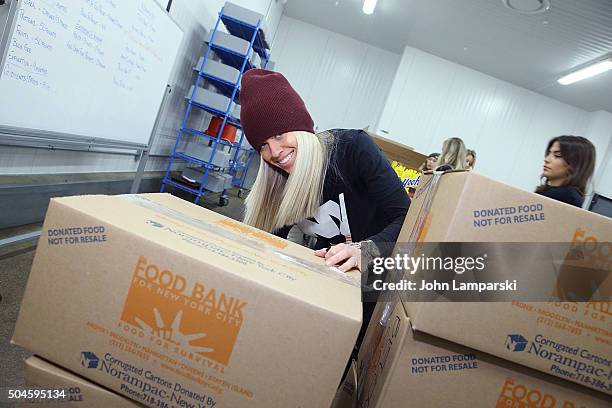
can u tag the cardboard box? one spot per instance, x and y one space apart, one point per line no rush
346 395
395 151
168 303
569 340
400 367
79 392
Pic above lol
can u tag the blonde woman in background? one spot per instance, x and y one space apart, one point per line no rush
470 160
453 155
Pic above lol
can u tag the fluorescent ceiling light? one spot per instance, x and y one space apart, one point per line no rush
369 6
587 72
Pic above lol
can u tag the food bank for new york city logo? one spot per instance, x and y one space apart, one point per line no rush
516 394
586 269
187 318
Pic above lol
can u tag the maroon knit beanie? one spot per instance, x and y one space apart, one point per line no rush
269 106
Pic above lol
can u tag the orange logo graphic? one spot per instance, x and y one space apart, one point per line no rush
515 395
584 274
600 252
186 317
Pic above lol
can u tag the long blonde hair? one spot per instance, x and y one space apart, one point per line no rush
277 198
453 154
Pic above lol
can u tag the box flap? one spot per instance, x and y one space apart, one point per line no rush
217 240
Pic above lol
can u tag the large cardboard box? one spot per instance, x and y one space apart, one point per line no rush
79 392
569 340
170 304
400 367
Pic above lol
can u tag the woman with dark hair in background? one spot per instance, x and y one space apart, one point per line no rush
430 163
568 165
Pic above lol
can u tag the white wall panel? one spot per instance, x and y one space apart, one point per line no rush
601 129
394 97
371 87
343 82
297 51
336 78
418 109
503 133
603 179
509 127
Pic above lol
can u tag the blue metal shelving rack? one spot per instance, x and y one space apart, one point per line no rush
252 33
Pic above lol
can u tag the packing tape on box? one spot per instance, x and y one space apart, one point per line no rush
429 189
333 273
374 342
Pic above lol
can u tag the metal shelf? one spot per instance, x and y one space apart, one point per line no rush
226 88
227 83
222 142
231 57
203 163
245 31
230 119
181 186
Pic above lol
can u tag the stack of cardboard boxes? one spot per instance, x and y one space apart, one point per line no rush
78 392
512 354
171 305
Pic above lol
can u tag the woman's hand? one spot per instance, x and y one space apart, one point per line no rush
345 257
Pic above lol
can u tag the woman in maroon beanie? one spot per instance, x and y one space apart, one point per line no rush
336 185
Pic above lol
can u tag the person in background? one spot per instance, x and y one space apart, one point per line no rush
453 155
569 163
470 159
430 163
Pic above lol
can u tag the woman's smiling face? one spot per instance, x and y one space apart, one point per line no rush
280 151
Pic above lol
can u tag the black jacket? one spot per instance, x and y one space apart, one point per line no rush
375 202
567 194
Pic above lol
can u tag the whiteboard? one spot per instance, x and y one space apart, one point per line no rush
91 68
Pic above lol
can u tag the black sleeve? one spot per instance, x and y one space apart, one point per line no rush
444 167
322 243
283 232
383 187
565 194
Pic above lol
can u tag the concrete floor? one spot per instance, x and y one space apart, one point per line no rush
15 265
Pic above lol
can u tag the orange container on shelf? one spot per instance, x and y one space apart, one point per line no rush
229 131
